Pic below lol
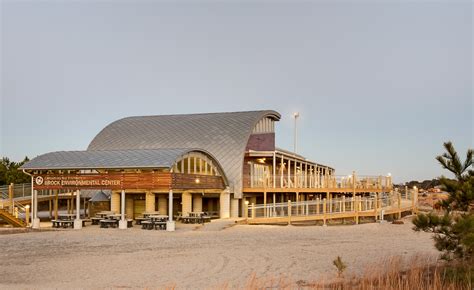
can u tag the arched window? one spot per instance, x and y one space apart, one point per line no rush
196 163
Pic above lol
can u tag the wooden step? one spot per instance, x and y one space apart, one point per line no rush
11 219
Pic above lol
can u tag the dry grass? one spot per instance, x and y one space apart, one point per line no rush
392 274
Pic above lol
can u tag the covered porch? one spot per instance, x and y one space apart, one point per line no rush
174 183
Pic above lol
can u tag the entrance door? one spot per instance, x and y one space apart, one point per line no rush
138 207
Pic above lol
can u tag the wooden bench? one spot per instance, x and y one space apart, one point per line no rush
139 220
192 220
96 220
147 225
84 221
108 223
62 223
160 225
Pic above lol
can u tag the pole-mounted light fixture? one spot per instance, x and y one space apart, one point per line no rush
296 116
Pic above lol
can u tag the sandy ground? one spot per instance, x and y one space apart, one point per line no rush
192 258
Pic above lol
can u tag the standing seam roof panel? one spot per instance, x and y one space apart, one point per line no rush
224 135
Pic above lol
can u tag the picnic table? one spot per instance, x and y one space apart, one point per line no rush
66 216
108 223
96 220
139 220
155 222
114 216
104 214
112 221
62 223
66 221
149 213
195 217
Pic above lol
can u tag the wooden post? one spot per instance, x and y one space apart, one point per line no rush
343 203
318 203
357 205
399 199
324 212
413 199
246 210
375 206
353 184
297 202
56 204
289 170
10 196
72 202
50 208
274 170
253 210
27 215
289 212
274 205
265 203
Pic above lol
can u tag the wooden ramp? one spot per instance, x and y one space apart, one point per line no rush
11 219
324 210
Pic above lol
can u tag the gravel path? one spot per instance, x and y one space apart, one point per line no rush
194 259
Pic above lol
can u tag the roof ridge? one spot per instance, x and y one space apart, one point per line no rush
203 113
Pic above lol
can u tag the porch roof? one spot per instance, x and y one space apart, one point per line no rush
108 159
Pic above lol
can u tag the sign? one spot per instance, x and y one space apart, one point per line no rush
117 181
113 181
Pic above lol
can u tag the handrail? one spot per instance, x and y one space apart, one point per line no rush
332 206
310 180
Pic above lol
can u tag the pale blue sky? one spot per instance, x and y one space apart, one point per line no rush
379 85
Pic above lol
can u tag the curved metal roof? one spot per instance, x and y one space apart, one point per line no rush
223 135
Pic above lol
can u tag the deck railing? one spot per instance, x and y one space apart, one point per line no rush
302 180
351 205
19 190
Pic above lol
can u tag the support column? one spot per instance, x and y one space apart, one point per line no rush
162 206
186 200
234 207
56 200
123 221
50 204
265 203
72 202
115 202
149 201
36 220
224 204
170 224
78 221
197 202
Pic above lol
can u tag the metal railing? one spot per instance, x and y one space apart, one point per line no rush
19 190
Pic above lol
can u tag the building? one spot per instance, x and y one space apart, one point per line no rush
214 162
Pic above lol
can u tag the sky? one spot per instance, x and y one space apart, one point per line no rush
379 85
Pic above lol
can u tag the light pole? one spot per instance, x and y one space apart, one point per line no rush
296 115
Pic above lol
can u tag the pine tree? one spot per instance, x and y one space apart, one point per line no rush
454 231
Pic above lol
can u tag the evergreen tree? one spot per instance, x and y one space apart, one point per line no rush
454 231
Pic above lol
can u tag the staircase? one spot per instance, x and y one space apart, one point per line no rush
11 219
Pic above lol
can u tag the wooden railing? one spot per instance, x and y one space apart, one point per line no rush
324 209
302 180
